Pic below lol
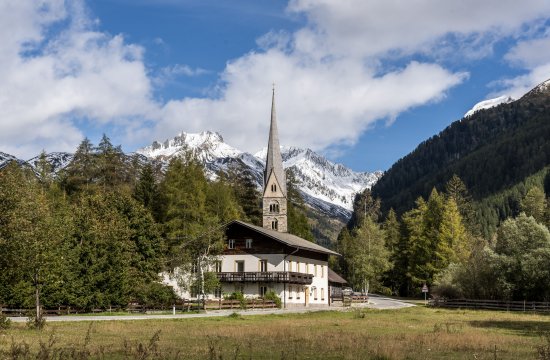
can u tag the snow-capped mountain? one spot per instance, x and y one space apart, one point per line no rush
6 158
486 104
325 186
58 160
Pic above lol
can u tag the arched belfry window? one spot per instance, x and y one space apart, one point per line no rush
273 187
274 207
275 224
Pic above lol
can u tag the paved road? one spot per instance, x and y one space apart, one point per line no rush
376 302
384 303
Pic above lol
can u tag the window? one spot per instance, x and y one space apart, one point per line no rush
218 266
273 187
297 266
275 224
289 265
263 265
315 294
322 294
231 243
263 290
239 265
218 293
298 293
315 270
248 243
322 271
274 208
290 292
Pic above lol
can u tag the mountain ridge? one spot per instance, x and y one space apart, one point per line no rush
326 186
491 150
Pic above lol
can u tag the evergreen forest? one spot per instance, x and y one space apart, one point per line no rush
467 213
99 233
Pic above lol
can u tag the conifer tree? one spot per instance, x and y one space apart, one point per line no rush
30 239
297 220
82 170
221 202
534 204
110 164
243 184
146 191
453 245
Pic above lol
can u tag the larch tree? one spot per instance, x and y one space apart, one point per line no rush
534 204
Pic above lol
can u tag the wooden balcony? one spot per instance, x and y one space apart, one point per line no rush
266 277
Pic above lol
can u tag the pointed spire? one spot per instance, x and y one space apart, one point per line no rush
274 161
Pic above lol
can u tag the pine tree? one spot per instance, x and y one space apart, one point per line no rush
392 232
453 245
82 170
298 223
221 202
30 239
112 170
242 182
534 204
146 191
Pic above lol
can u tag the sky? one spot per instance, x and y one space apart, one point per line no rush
361 81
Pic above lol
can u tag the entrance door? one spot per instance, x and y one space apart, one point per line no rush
306 295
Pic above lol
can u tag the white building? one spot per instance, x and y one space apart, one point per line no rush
258 259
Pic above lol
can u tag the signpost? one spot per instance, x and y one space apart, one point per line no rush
425 291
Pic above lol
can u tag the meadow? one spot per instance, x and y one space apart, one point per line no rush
411 333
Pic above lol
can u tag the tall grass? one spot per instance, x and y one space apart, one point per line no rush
413 333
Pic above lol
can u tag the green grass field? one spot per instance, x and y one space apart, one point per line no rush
412 333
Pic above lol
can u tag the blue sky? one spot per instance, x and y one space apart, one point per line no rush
362 81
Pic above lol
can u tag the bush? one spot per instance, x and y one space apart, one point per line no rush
155 295
271 295
237 296
5 322
34 322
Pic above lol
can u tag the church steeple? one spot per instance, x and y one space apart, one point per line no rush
274 160
274 197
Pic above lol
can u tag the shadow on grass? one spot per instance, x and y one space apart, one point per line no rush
525 328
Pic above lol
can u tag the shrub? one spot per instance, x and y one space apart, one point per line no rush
237 296
34 322
5 322
271 295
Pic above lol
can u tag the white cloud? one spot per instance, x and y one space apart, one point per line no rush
47 83
532 56
375 27
332 75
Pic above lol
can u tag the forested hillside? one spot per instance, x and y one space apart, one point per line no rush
491 150
466 213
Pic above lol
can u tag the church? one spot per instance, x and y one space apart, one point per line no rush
258 259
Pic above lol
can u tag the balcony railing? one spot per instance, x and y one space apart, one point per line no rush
267 277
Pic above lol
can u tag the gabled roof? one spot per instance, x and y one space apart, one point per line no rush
274 160
286 238
333 277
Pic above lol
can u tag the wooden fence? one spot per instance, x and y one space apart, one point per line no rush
534 306
180 306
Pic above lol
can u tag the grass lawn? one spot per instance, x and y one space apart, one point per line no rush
411 333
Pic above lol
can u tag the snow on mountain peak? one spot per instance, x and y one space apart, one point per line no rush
486 104
325 185
206 145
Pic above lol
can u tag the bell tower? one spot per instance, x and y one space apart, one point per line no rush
274 197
